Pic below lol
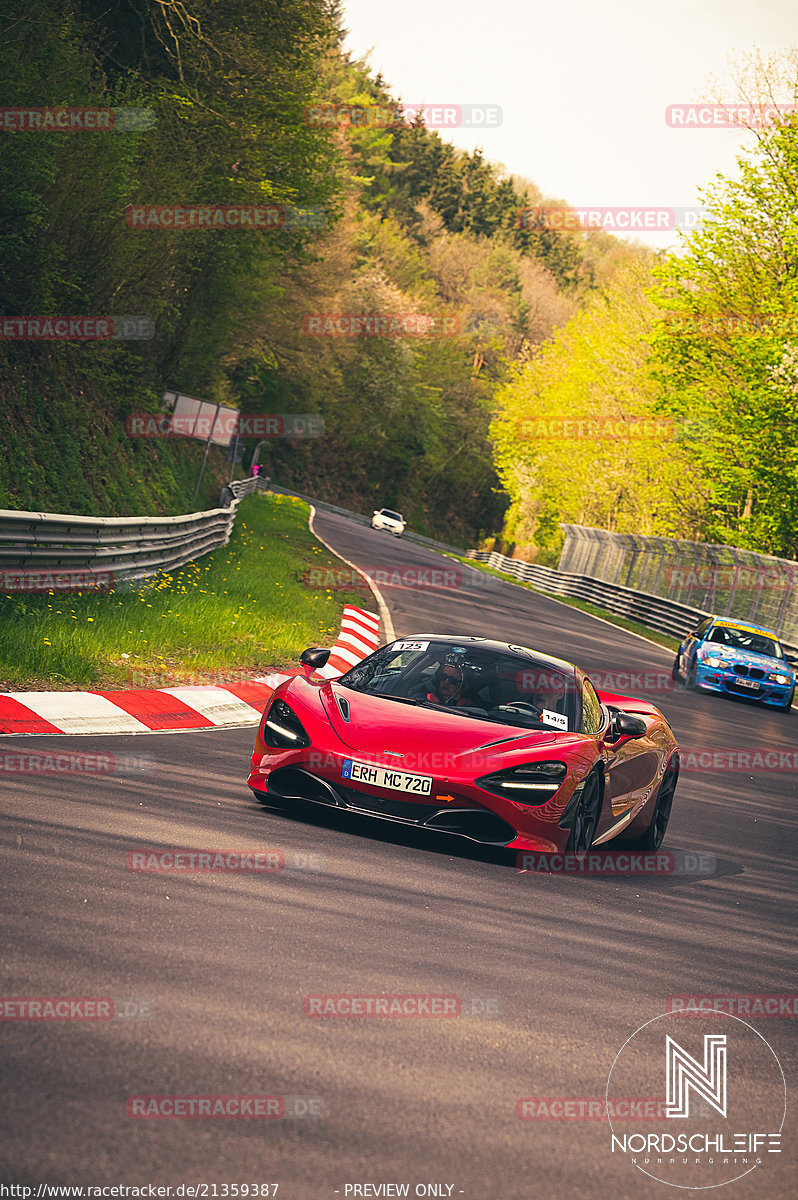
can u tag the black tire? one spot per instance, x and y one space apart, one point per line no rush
653 837
586 817
675 672
787 705
690 681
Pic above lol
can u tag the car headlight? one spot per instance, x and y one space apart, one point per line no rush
779 678
283 729
530 783
713 661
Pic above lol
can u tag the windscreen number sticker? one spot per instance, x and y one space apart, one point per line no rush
556 720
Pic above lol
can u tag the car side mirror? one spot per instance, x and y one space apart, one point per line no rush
313 658
625 725
792 661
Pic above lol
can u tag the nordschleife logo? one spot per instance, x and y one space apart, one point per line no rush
707 1080
723 1096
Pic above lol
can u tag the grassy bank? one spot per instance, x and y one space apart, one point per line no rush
241 610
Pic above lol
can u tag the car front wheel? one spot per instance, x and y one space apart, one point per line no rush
586 817
653 837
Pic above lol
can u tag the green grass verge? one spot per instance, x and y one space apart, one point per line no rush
653 635
238 611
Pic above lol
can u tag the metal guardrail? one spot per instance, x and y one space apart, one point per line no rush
131 549
127 549
711 577
237 488
655 612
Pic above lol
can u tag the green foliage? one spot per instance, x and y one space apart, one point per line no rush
409 225
578 440
166 631
724 350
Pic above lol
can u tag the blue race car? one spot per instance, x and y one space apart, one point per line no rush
724 655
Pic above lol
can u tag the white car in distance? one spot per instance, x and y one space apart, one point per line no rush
386 518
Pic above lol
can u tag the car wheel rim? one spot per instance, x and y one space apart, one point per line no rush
662 812
583 829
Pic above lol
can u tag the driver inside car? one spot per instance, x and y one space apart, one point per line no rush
453 685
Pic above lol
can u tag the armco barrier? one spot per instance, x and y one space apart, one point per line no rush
656 612
663 615
127 548
704 576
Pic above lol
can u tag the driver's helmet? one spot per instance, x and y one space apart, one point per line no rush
473 672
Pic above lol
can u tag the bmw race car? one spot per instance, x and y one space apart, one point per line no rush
468 736
723 655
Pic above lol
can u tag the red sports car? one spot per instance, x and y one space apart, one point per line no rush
469 736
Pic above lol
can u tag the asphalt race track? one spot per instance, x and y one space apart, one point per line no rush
554 971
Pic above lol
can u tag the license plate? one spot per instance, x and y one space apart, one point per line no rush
396 781
753 684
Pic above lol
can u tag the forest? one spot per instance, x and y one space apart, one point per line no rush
681 367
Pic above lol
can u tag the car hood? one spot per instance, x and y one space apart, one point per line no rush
745 656
377 725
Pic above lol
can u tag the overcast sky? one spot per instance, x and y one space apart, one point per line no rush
583 85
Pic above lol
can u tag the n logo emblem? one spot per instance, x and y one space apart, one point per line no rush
684 1072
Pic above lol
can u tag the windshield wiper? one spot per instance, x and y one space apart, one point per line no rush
388 696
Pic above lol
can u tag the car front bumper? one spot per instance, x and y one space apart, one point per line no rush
455 804
717 679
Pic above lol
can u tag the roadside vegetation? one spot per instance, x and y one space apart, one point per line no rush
399 221
683 367
241 611
683 372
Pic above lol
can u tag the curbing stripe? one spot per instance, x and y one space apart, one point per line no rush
174 709
74 712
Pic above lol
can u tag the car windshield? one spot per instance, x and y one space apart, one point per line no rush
471 680
386 512
738 638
